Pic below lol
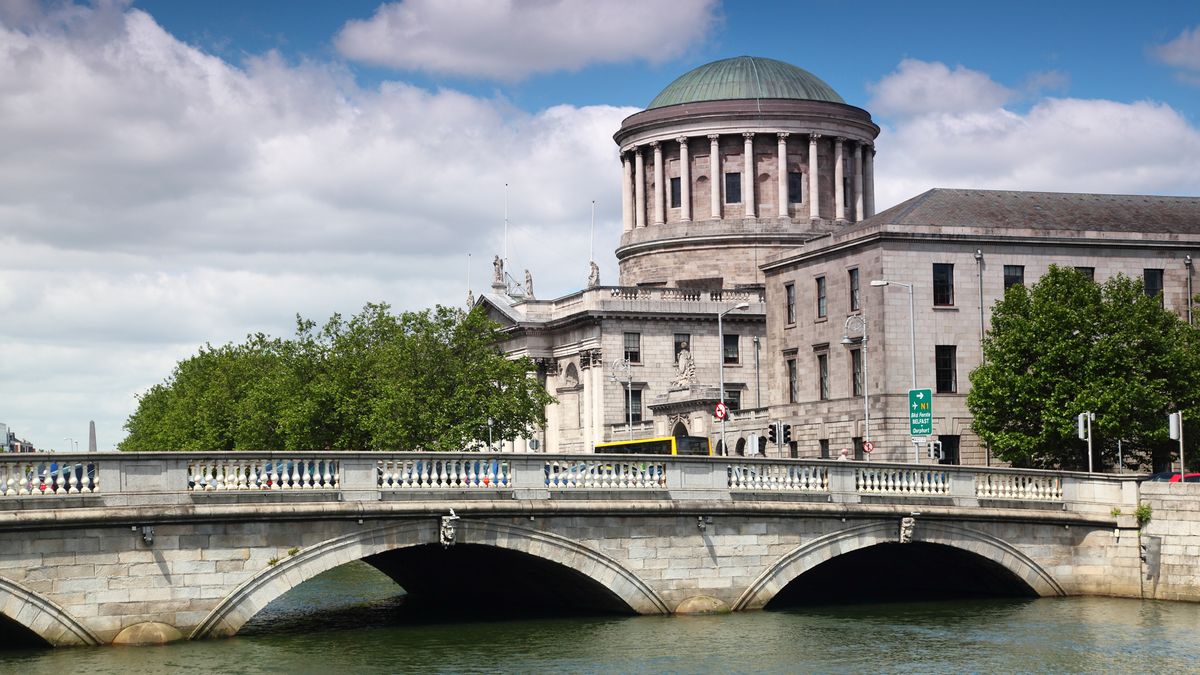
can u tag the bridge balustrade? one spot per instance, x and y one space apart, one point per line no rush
181 477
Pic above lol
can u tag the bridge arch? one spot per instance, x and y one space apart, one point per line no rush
806 557
43 617
254 594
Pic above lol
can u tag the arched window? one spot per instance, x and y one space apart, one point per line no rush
740 448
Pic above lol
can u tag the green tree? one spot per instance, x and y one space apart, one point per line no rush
1068 345
426 380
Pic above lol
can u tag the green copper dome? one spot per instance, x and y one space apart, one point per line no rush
745 77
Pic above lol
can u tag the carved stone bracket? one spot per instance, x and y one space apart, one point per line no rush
907 525
589 358
446 533
548 366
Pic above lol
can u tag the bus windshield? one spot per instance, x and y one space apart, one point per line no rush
667 445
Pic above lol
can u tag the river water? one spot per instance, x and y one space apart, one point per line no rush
352 620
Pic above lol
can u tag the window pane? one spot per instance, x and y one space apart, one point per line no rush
1153 282
946 357
1089 272
820 296
730 350
1013 275
733 399
856 372
795 187
854 291
676 195
793 391
943 283
633 401
824 445
823 376
733 188
633 347
790 291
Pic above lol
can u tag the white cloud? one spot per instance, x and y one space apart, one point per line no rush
1059 144
154 198
508 39
922 87
1182 52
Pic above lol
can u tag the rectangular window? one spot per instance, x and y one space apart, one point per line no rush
943 284
733 399
858 448
1089 272
633 401
676 193
855 293
824 445
729 350
733 188
823 377
633 347
950 453
1152 280
1014 275
946 362
856 373
682 341
821 308
793 381
795 187
789 290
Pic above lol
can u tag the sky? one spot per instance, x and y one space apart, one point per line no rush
180 173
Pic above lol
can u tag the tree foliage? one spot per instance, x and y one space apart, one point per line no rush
1068 345
426 380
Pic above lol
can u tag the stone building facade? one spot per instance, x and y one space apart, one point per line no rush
796 240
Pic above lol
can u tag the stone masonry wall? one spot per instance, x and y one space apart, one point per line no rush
1172 541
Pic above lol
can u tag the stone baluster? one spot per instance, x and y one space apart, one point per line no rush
839 179
714 175
782 170
748 175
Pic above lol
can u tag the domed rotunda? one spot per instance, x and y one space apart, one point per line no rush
732 162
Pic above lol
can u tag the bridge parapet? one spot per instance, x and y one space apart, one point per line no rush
162 478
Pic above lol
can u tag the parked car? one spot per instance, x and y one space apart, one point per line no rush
1174 477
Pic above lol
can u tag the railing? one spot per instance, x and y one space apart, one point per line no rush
1019 486
605 474
235 473
403 474
180 478
779 477
902 481
41 477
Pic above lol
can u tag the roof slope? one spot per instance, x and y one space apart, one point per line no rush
745 77
1009 209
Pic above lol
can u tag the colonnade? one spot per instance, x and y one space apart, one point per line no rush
633 192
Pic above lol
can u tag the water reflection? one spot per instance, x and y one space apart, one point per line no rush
354 620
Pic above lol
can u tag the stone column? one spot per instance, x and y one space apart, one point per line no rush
858 182
714 174
783 174
869 181
660 210
685 181
639 188
814 190
748 175
627 191
839 178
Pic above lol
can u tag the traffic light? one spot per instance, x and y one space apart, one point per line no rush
787 433
935 451
771 433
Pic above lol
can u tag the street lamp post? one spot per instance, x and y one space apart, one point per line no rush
862 322
721 364
912 336
623 364
70 442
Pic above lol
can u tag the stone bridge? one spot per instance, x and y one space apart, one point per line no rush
150 547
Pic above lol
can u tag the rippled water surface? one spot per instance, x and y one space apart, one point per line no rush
353 620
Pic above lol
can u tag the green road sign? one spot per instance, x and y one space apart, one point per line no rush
920 412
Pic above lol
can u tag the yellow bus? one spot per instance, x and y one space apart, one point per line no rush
665 445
